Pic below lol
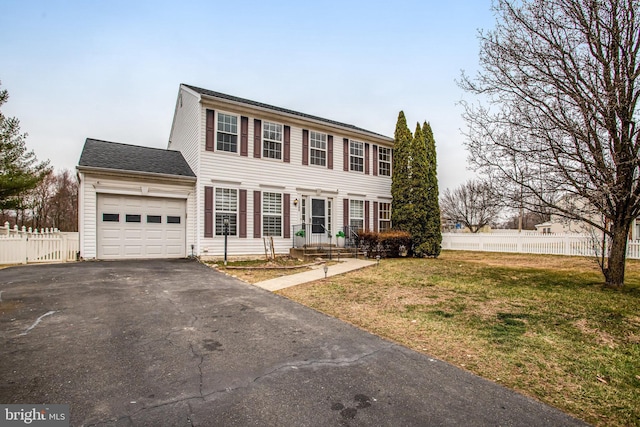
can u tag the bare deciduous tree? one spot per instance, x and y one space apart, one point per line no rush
53 203
473 205
558 126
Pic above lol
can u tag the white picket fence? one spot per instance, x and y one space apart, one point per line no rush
529 243
22 245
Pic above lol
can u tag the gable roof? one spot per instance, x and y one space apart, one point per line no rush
213 94
133 158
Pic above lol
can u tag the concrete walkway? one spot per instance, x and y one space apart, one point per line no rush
317 273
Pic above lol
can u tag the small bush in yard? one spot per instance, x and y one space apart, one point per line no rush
386 244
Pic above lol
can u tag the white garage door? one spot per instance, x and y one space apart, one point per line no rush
140 227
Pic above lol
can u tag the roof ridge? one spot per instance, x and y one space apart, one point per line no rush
132 145
208 92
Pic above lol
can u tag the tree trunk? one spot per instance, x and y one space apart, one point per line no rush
614 272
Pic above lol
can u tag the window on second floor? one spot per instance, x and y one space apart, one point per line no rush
227 139
318 148
356 156
384 161
271 140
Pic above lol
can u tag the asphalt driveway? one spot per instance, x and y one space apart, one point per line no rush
175 343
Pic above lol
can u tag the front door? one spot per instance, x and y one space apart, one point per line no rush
318 216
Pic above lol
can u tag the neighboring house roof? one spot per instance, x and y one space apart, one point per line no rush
132 158
236 99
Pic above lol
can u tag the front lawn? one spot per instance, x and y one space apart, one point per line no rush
542 325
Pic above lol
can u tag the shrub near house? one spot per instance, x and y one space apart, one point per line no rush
389 244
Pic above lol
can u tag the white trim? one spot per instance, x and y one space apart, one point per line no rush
134 174
226 182
316 191
139 191
276 187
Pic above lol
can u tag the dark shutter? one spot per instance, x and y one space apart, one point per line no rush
257 223
286 212
244 136
330 151
366 215
210 137
375 214
346 154
287 144
242 232
345 212
257 138
208 211
375 160
305 147
366 159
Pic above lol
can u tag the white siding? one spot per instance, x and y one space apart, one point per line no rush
91 184
185 137
230 170
185 130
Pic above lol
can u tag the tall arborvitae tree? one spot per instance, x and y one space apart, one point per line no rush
433 234
419 193
402 208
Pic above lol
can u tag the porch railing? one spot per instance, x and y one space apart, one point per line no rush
351 237
304 237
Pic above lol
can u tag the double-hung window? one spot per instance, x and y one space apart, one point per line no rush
384 161
318 148
356 214
384 213
272 214
227 139
226 209
356 156
271 140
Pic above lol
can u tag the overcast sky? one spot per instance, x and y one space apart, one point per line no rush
111 69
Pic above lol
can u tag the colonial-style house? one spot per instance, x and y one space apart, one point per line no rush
232 167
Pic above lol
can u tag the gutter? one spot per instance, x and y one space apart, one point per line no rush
120 172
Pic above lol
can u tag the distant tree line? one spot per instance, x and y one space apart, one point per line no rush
53 203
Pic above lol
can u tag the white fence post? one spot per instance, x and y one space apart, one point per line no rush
22 246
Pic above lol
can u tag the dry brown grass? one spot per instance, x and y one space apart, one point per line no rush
542 325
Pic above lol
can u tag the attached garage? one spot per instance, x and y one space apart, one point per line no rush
134 202
140 227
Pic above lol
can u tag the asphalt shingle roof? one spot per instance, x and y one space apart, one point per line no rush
214 94
133 158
